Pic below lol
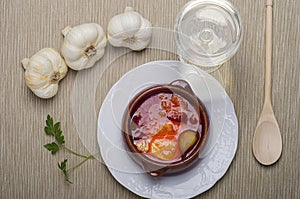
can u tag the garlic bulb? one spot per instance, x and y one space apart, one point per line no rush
43 72
83 45
129 29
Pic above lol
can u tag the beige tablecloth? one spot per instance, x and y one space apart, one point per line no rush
28 171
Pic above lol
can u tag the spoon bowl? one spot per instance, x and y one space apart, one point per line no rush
267 142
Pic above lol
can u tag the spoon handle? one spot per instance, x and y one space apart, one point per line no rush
268 58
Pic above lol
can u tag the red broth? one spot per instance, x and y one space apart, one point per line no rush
157 124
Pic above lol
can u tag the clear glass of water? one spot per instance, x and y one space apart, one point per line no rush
208 33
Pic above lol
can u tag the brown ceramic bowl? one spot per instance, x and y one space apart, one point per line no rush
150 161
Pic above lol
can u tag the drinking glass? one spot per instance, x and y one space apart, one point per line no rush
208 33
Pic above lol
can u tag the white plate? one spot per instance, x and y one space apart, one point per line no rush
216 155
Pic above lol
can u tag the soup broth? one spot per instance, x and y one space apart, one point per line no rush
165 127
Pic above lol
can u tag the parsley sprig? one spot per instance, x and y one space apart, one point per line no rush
53 129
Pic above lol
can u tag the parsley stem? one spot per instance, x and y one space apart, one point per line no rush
75 153
81 162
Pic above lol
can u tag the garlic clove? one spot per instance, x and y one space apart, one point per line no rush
43 71
83 45
72 53
132 22
51 90
125 23
143 37
130 30
83 34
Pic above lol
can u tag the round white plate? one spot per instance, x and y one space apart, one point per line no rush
216 155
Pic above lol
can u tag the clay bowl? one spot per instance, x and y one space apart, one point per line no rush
153 162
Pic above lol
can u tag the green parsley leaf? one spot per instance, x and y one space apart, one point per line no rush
54 130
63 167
59 137
56 126
49 122
48 131
53 147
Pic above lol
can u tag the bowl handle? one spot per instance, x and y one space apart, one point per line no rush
183 84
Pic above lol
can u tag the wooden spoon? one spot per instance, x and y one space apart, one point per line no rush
267 142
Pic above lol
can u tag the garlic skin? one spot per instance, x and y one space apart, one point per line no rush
83 45
130 30
43 72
